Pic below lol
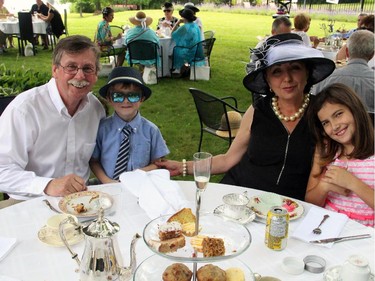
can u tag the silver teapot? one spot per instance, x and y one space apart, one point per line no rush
99 260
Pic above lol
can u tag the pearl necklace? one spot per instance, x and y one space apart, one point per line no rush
296 115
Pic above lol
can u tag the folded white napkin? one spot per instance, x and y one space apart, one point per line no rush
157 194
330 228
6 245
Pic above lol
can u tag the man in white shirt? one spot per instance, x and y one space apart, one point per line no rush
48 133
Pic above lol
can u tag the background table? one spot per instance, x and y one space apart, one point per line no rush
167 44
12 27
32 260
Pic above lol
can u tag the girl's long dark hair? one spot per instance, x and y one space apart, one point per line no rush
363 138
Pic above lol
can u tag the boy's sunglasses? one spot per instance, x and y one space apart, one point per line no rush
120 97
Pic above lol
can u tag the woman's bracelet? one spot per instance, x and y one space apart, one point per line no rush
184 167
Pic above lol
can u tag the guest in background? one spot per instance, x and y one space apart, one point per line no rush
342 178
141 31
168 21
186 35
104 37
198 21
48 133
302 23
125 92
273 148
356 74
36 9
360 18
4 13
56 25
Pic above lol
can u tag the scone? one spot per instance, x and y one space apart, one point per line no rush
170 230
211 272
169 245
235 274
183 216
177 272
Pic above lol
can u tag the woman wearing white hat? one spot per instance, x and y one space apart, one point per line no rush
273 148
141 31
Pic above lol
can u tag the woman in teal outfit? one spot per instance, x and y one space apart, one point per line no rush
187 35
104 37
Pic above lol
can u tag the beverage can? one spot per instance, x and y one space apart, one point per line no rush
277 224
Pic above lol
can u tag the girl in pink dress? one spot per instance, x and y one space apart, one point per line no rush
342 176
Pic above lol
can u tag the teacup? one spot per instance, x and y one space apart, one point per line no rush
235 204
355 268
53 224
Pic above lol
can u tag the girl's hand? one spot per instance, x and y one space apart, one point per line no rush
338 176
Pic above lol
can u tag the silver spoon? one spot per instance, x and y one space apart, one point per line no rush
317 230
50 206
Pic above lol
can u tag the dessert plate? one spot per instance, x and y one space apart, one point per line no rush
261 205
246 216
91 200
44 235
153 267
236 237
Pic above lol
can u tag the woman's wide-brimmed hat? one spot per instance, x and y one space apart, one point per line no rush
141 19
191 6
127 75
234 120
187 14
285 48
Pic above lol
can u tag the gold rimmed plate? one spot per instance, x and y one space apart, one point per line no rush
51 239
91 200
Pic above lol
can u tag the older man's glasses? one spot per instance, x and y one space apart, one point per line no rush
73 69
120 97
167 11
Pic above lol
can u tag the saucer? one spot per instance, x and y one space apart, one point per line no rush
247 216
44 235
334 274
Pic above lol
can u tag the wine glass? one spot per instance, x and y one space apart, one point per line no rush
202 173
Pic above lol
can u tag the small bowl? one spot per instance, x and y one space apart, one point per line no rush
236 199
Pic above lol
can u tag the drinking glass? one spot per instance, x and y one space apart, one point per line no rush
202 173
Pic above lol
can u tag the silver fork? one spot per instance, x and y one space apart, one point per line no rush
50 206
317 230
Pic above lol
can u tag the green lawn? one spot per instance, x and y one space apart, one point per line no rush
171 107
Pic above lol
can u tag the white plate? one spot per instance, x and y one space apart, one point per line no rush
153 267
247 216
236 238
68 203
293 214
44 235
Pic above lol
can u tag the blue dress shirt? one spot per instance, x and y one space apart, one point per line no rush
146 143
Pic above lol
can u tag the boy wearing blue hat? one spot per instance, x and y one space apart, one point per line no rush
126 141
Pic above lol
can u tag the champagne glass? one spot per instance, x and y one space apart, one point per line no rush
202 173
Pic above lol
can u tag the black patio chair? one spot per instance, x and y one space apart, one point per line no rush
145 50
217 116
209 34
26 32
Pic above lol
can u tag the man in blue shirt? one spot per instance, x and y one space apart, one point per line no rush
125 91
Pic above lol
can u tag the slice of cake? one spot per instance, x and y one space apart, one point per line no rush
168 246
210 247
197 242
188 229
183 216
170 230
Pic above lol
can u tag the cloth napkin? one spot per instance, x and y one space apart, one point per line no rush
330 228
6 245
157 194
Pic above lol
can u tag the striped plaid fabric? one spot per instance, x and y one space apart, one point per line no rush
123 154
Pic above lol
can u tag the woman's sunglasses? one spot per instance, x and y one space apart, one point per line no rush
167 11
120 97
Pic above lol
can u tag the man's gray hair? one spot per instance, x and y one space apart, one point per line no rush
361 45
75 44
279 21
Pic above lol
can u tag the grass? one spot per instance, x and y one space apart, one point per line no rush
171 107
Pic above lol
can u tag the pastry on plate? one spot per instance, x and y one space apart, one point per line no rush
169 245
211 272
177 272
210 247
183 216
170 230
234 274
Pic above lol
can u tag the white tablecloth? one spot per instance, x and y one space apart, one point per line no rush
12 27
32 260
167 44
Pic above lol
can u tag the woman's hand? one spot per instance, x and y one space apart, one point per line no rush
174 167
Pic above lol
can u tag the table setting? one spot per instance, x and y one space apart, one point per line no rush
143 201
